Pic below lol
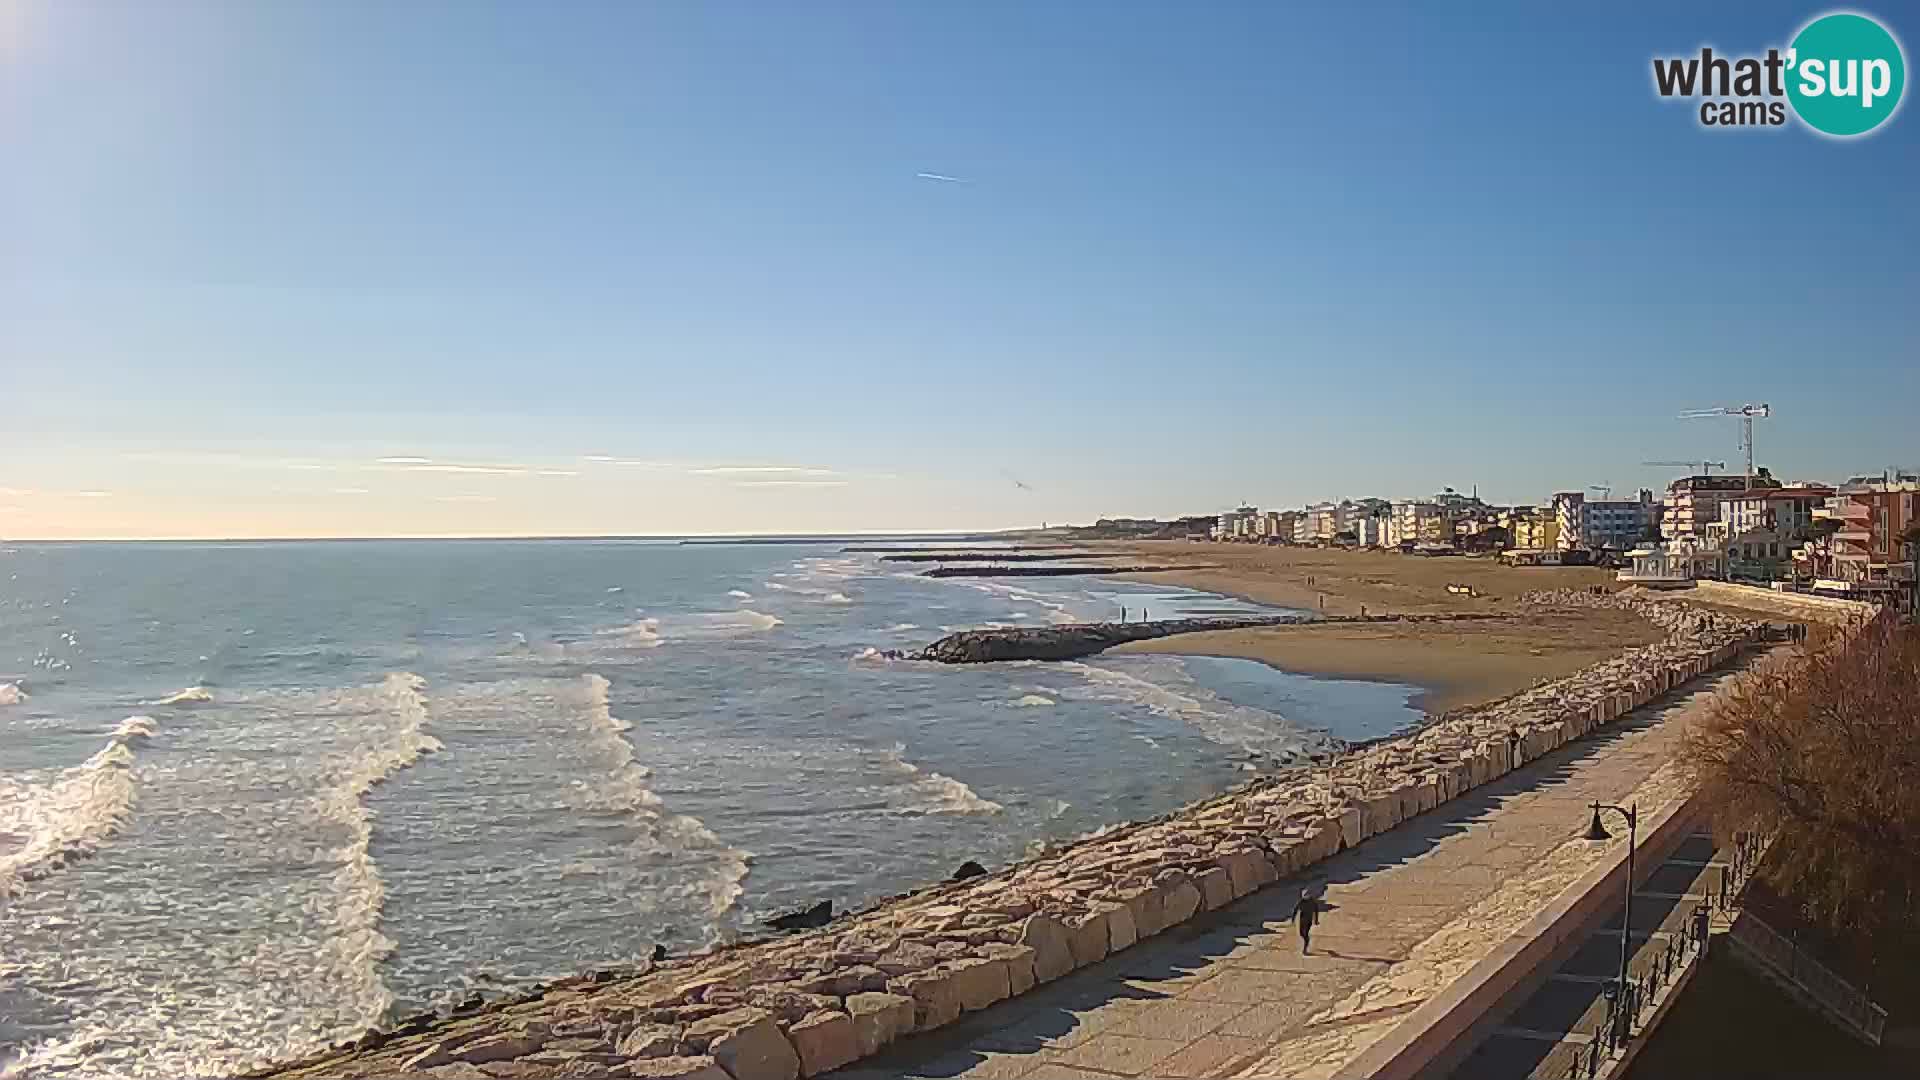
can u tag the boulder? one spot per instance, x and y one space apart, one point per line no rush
818 915
980 981
676 1068
936 1000
825 1041
1350 834
1216 887
1052 945
649 1041
747 1044
878 1019
1180 898
1121 933
1091 941
1019 960
968 869
1145 905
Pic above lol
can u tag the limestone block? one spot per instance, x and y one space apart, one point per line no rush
1216 887
979 981
1179 900
676 1068
747 1044
1144 903
1019 960
1121 932
1052 945
649 1041
1350 834
936 1000
878 1019
1240 868
825 1041
1090 937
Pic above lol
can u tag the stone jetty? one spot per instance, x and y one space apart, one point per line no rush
1074 640
1050 570
804 1005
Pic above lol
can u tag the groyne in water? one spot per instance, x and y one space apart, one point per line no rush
803 1006
1075 640
1051 571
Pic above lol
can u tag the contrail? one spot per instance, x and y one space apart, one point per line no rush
937 176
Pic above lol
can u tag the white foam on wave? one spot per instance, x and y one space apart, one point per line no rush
627 792
1028 701
11 694
44 827
740 594
638 634
357 946
192 695
746 620
900 628
936 793
1218 720
836 598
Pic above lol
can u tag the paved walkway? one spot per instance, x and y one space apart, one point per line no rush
1228 994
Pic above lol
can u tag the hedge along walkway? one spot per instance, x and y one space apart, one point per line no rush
1228 993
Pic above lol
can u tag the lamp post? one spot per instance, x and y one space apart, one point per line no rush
1597 831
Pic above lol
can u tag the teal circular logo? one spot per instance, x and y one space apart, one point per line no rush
1845 73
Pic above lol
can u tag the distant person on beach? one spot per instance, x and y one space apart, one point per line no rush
1306 914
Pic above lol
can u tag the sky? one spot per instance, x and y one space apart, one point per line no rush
457 268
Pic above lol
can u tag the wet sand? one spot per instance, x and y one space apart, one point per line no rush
1455 663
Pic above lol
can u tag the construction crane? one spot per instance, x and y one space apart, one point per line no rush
1605 490
1746 413
1705 467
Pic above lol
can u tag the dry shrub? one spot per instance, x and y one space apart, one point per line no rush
1825 755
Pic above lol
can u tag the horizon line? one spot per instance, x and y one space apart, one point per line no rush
903 533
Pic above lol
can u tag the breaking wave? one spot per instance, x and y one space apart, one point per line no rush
740 594
1027 701
192 695
11 694
43 827
936 793
1219 721
639 634
900 628
360 895
746 620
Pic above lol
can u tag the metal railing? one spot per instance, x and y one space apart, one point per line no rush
1834 994
1655 966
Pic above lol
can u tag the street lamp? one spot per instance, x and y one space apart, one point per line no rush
1597 831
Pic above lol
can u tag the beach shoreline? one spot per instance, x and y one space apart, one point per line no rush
1453 663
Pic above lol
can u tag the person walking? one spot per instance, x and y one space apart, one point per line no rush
1306 914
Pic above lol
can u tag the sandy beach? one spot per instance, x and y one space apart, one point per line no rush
1454 663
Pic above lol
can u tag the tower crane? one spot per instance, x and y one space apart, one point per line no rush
1746 413
1705 467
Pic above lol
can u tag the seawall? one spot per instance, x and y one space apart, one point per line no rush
801 1006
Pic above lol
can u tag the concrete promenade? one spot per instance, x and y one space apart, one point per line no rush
1229 994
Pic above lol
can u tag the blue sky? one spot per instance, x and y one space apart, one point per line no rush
1203 253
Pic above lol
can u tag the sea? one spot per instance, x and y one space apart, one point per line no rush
256 798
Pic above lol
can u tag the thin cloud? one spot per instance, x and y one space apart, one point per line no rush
350 491
789 470
483 470
93 494
464 498
941 178
790 483
405 461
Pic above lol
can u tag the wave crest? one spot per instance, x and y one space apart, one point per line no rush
192 695
936 793
44 827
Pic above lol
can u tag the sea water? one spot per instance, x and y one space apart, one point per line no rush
256 798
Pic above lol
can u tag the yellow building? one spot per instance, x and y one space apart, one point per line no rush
1539 531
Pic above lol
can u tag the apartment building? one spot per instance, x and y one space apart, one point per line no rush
1614 524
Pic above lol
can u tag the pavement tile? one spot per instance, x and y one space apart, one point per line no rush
1205 1058
1127 1055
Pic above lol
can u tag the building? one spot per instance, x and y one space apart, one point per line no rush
1672 565
1789 509
1867 556
1370 531
1236 524
1612 524
1535 530
1419 522
1693 501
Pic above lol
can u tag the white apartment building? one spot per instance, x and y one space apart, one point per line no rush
1420 522
1615 524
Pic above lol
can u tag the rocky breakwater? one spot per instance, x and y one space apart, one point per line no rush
1075 640
804 1005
